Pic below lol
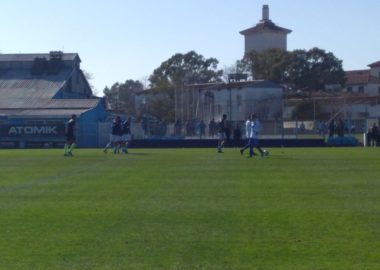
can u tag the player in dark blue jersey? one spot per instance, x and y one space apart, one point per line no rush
70 136
126 134
115 135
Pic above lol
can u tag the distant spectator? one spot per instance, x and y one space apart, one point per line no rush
346 126
369 137
340 128
374 135
302 127
331 128
178 128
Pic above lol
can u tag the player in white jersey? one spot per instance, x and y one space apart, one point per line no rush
248 134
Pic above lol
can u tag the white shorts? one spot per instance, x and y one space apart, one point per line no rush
126 137
115 138
221 135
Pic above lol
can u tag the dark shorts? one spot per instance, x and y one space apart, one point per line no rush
70 137
255 142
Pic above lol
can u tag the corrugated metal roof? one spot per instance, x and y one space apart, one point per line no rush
42 113
49 103
20 57
18 84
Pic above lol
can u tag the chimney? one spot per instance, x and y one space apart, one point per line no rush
265 13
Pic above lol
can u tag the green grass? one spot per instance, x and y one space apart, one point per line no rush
190 209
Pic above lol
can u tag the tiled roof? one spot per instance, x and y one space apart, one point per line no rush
356 77
264 27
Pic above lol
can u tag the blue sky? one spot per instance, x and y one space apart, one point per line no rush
119 40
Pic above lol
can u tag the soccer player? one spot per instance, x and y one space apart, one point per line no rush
126 134
256 129
222 127
70 136
249 135
114 136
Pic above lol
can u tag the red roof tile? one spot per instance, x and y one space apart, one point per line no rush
357 76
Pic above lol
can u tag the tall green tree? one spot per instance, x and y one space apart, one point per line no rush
172 76
121 96
268 65
314 69
309 70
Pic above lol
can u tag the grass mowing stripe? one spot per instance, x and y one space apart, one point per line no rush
193 209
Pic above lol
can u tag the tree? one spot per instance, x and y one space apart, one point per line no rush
89 77
121 96
172 76
314 69
308 109
240 67
309 70
268 65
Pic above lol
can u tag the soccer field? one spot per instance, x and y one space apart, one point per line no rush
190 209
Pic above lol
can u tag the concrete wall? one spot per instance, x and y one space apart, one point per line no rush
263 41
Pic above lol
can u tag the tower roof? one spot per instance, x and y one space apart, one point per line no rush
376 64
265 25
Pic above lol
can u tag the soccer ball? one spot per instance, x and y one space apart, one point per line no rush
265 153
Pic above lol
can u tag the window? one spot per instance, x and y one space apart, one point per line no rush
361 89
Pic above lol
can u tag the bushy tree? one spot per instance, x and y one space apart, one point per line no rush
121 96
268 65
309 70
306 109
314 69
172 76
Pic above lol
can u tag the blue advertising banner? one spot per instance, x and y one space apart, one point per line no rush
35 131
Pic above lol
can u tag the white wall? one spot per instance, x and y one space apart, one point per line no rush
375 72
263 41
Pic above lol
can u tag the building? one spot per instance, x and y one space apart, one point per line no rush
237 100
265 35
39 93
365 81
